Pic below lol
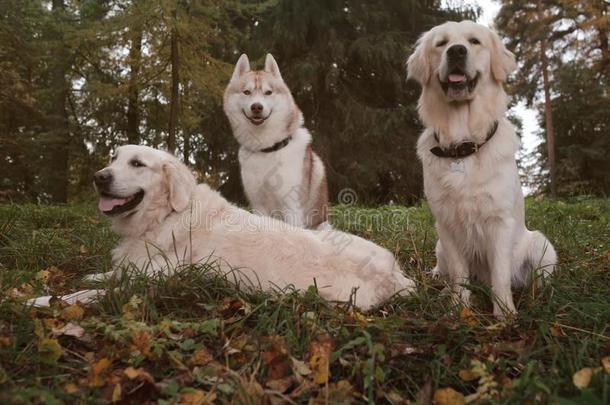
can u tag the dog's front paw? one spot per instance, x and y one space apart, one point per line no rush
505 312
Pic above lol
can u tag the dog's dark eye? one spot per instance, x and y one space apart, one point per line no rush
268 93
137 163
441 43
475 41
247 92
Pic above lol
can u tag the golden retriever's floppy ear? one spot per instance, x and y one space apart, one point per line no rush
242 66
418 64
181 184
502 60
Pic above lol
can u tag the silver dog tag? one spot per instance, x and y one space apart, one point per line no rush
457 166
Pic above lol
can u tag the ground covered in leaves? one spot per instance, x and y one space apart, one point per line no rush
195 338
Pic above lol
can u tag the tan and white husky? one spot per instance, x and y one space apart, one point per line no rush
282 176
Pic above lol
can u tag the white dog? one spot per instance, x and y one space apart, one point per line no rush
165 219
468 155
282 176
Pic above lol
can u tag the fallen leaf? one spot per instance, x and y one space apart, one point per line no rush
467 375
71 388
72 313
281 385
117 393
82 250
201 357
300 368
98 373
49 350
467 317
5 341
606 364
69 329
277 359
319 358
448 396
582 378
141 341
43 276
556 330
138 373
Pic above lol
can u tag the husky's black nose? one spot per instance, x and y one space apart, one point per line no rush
102 178
457 52
257 108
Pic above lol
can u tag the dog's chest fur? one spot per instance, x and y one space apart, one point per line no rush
287 184
470 194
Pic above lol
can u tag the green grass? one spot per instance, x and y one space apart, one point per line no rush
199 336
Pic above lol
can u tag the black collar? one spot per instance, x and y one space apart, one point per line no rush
277 146
464 149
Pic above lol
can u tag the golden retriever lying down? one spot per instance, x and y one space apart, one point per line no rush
162 215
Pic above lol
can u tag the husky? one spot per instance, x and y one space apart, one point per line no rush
282 176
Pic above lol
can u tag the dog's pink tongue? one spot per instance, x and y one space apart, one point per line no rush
455 78
107 204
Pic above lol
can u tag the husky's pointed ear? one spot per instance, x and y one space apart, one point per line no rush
181 184
418 64
242 66
502 60
271 66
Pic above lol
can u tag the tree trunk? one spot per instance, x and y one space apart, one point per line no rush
175 95
548 108
133 111
59 131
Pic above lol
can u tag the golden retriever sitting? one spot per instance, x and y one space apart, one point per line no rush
162 215
468 155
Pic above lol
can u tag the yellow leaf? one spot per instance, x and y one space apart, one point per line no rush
467 375
133 373
320 358
467 317
606 364
116 393
43 276
72 312
448 396
98 372
49 350
582 378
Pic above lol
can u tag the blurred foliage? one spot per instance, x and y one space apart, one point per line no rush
576 33
80 77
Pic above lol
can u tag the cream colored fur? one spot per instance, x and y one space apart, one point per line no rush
479 210
180 222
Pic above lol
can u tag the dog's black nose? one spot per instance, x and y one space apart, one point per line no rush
256 108
457 52
102 178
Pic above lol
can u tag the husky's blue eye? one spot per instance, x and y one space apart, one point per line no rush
247 92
